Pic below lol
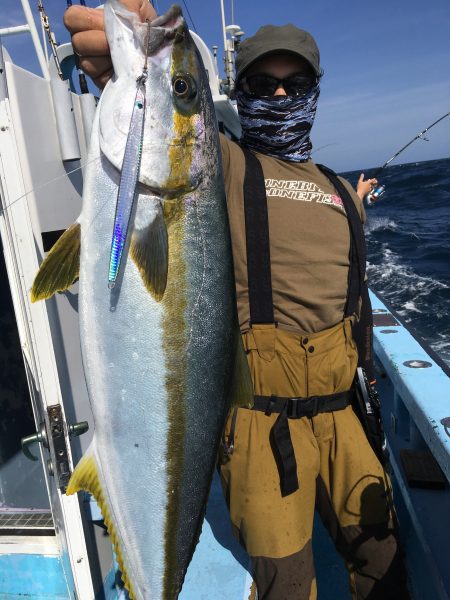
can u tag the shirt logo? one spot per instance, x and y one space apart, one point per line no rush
304 191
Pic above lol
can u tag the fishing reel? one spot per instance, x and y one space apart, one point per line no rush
375 193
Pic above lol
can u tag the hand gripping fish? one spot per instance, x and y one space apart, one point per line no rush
161 349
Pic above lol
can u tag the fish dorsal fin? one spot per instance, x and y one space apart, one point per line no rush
60 267
241 384
86 477
150 252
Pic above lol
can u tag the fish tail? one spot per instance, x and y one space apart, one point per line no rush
87 477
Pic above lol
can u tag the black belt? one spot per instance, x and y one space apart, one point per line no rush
280 437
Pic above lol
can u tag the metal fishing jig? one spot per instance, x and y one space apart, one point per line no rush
129 174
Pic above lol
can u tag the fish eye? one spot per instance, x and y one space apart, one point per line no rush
184 86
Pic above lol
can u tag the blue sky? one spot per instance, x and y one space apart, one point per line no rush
386 63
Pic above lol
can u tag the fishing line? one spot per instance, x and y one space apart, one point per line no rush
379 190
43 185
189 14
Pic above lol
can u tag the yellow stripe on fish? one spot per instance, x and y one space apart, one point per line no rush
174 327
175 303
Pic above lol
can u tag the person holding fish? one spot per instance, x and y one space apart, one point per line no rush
305 320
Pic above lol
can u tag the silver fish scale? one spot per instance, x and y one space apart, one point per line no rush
211 347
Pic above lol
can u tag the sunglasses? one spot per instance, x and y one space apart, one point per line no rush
262 84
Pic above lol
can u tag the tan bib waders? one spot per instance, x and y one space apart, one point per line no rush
337 470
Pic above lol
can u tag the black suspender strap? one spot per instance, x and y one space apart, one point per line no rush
357 269
258 245
257 238
261 303
357 286
362 332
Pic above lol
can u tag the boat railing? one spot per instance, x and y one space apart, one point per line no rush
422 387
414 387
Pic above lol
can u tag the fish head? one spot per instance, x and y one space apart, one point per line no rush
178 109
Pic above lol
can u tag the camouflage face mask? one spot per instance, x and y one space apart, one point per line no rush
278 126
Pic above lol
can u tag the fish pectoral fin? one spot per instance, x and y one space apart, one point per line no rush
61 266
87 477
241 386
150 252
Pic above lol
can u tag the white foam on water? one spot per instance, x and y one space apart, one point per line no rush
380 223
412 296
411 306
397 280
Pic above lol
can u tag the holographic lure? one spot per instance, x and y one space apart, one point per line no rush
129 176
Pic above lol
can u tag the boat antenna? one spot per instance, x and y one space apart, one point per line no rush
51 38
230 45
377 192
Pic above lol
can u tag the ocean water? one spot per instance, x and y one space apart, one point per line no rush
408 244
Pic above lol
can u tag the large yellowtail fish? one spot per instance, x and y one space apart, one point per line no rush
160 343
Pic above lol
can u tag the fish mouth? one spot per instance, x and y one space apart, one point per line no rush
169 20
169 27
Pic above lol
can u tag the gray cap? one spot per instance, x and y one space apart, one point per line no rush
271 39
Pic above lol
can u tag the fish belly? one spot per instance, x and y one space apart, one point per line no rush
123 358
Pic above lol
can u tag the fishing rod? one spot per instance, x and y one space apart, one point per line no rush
324 146
51 38
81 76
61 97
379 190
88 102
